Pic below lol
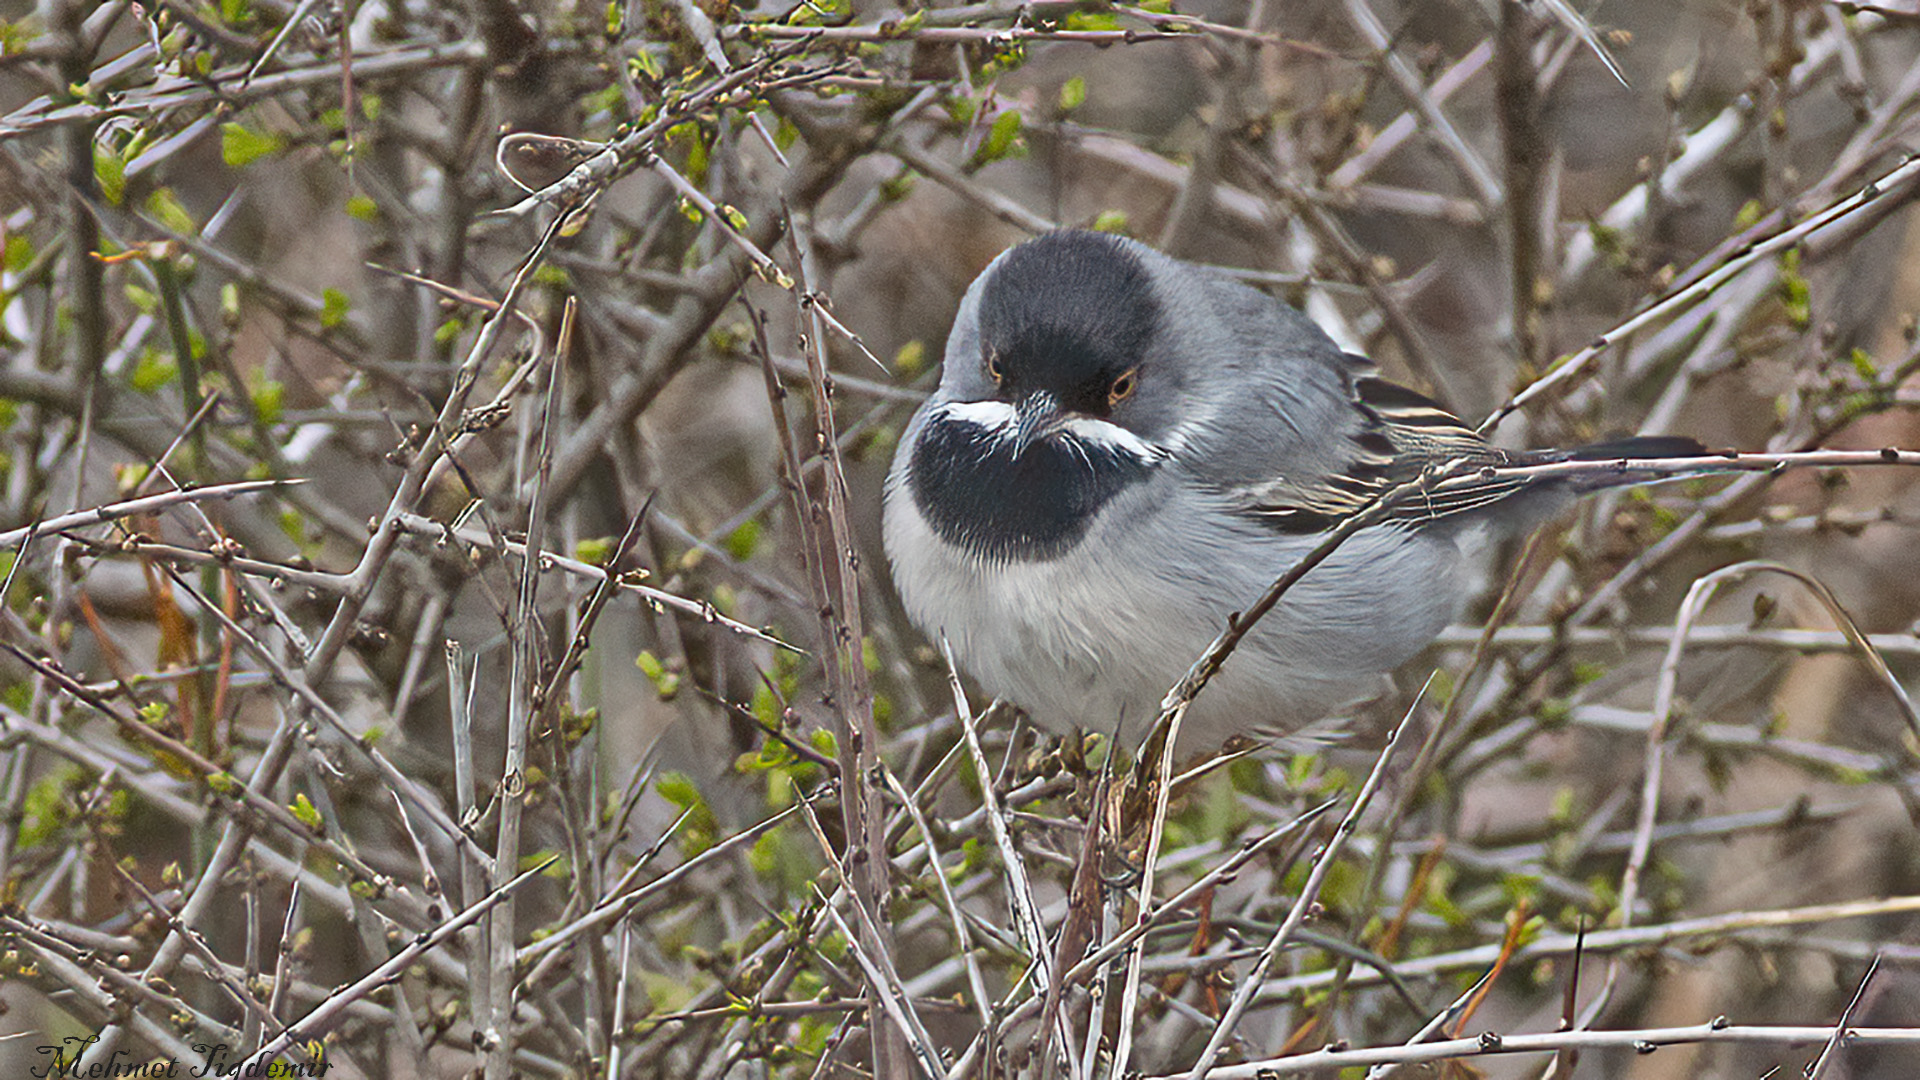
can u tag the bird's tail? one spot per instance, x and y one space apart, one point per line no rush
1627 450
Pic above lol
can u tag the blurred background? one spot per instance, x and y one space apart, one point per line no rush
308 697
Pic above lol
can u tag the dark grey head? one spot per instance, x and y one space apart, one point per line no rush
1054 397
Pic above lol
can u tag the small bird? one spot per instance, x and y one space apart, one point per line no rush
1126 449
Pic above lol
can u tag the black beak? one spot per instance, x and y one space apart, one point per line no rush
1035 417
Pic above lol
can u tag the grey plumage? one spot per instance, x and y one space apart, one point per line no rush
1124 449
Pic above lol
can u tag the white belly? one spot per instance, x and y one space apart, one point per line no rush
1080 642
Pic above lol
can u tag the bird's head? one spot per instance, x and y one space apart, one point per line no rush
1063 334
1056 396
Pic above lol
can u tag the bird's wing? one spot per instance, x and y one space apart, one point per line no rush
1390 435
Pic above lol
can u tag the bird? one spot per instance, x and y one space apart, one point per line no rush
1125 450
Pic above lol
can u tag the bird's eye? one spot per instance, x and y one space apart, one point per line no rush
1122 387
994 370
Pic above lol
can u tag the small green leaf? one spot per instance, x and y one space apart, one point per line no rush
911 358
597 550
701 829
699 155
898 186
295 527
47 807
141 298
1111 221
766 709
267 400
334 306
362 208
1796 295
1073 94
665 683
1002 138
1863 364
111 171
240 147
129 475
165 206
1300 768
1092 20
150 373
1560 809
824 742
743 541
306 813
19 252
16 35
649 665
647 65
1607 239
559 868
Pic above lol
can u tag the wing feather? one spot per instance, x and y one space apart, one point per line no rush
1397 433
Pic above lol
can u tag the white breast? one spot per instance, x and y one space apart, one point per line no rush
1097 636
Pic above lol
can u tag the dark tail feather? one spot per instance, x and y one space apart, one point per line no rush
1639 446
1635 446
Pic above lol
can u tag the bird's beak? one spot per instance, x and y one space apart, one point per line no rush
1035 417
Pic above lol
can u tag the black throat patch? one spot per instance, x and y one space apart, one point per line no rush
1063 315
979 496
